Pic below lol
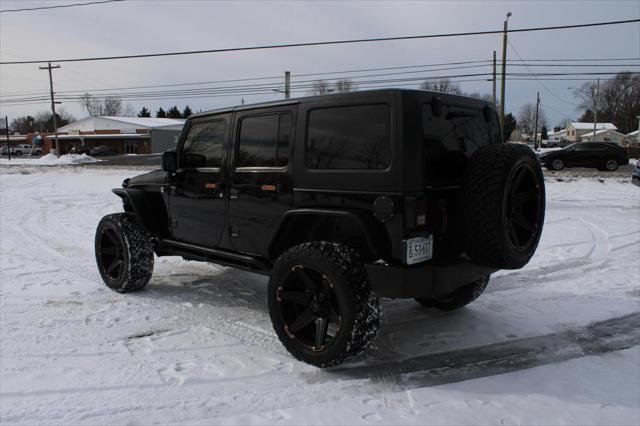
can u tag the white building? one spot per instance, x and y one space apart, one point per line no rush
604 135
633 138
574 130
557 136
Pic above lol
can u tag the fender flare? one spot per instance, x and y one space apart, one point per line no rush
150 211
368 228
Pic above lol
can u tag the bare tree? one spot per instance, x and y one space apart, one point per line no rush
344 85
527 118
618 100
320 87
110 106
443 85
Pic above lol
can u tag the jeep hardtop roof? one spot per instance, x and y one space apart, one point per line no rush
333 96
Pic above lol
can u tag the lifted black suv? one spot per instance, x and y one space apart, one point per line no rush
341 199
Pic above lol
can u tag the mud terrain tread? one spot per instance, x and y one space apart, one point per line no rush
482 202
346 265
139 252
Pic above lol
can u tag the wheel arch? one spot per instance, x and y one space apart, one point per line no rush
356 228
148 208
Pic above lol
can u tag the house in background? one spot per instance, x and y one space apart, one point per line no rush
632 138
558 136
604 135
574 130
126 135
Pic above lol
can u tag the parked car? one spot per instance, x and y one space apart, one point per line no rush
80 149
19 150
340 199
102 151
604 156
635 179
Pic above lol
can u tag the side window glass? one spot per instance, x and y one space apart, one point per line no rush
353 137
203 146
264 140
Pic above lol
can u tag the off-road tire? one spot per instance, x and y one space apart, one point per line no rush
502 206
135 252
457 298
360 311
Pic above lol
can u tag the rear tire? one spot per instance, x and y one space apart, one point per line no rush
611 165
457 298
321 304
124 252
556 165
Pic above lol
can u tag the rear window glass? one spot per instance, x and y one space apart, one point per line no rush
453 136
352 137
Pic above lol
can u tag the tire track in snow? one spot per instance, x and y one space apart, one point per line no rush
472 363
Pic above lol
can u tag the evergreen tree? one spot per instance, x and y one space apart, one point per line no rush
160 113
509 126
144 112
187 112
543 133
174 112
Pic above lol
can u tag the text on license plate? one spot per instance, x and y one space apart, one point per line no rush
418 249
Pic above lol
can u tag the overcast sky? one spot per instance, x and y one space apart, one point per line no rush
144 26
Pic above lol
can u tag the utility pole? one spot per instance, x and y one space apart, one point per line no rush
6 123
287 84
595 113
495 103
535 132
504 70
53 105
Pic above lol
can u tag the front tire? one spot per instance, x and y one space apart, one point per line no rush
124 252
457 298
321 304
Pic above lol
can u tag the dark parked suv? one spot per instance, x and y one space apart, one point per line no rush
604 156
340 199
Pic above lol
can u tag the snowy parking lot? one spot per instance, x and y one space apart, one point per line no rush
557 342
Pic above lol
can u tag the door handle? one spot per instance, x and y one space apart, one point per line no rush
234 194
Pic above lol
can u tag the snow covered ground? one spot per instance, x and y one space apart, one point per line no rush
557 342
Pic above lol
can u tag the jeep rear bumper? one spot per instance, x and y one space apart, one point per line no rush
424 280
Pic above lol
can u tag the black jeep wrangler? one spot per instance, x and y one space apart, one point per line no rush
340 199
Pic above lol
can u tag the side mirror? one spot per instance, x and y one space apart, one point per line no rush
169 161
436 106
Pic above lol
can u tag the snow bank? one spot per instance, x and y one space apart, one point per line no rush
51 159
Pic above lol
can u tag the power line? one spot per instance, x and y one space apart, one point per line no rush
324 43
539 82
60 6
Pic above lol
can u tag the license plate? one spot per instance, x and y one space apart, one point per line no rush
418 249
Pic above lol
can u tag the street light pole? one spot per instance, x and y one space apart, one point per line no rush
504 69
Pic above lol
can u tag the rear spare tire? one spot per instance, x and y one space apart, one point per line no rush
502 206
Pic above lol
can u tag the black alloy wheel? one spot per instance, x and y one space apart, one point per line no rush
111 254
124 252
557 164
309 308
321 305
611 165
524 201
